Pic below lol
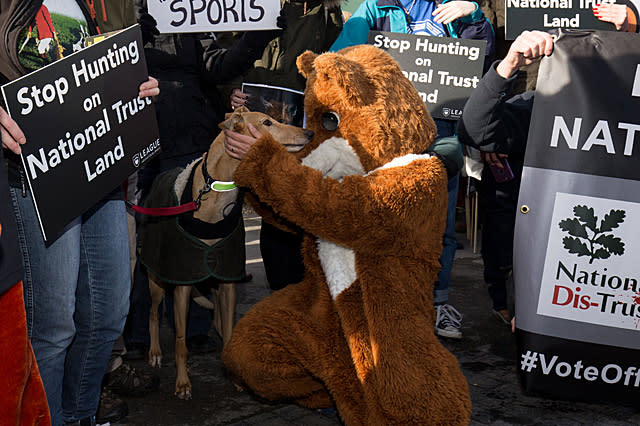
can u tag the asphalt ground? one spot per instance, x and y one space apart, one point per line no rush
486 353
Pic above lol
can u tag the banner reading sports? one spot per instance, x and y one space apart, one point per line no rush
443 70
87 129
577 244
546 15
189 16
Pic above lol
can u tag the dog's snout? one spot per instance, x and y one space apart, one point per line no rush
308 134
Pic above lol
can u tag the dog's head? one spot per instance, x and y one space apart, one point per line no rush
293 138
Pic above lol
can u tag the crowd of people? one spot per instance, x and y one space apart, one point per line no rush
64 303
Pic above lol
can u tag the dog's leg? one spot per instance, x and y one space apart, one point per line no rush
181 299
226 296
157 294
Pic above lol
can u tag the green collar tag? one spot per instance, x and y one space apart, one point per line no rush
220 186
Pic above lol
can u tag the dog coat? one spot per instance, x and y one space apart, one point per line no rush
171 247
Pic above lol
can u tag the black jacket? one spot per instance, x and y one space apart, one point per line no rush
188 68
492 121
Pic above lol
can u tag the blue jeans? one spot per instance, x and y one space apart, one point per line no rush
449 243
76 292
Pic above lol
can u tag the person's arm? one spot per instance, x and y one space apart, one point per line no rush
221 65
492 122
466 20
356 29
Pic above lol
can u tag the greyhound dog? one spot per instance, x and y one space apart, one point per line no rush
171 262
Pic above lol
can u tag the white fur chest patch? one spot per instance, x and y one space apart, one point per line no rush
335 159
338 264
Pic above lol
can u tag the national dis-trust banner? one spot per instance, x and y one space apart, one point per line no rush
87 129
577 238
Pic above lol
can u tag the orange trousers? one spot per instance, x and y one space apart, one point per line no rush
22 397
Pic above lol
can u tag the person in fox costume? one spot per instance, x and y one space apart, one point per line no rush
370 196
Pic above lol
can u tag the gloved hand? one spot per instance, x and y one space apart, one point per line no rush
259 39
148 27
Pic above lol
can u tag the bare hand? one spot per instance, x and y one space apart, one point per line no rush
614 13
149 88
237 98
237 145
452 10
527 48
12 136
493 159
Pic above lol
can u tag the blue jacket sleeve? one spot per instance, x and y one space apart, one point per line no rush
356 29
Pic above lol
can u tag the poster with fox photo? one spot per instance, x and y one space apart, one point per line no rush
282 104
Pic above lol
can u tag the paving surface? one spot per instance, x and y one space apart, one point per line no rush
486 354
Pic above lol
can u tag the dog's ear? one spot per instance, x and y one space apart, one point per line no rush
236 111
233 122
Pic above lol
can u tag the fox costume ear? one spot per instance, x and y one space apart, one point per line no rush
305 63
346 75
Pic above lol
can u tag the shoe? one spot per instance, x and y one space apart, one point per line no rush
204 344
503 316
111 408
127 381
136 351
448 322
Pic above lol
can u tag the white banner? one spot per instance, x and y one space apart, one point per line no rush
578 283
194 16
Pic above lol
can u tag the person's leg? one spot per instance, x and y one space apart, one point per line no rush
23 399
499 202
50 276
136 332
281 256
441 286
101 306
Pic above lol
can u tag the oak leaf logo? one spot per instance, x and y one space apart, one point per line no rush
587 238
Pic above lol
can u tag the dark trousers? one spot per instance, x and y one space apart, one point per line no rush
137 327
281 256
499 205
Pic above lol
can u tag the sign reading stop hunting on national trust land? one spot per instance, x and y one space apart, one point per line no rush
443 70
86 128
546 15
577 239
188 16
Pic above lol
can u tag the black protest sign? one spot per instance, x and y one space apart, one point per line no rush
586 107
443 70
86 128
576 244
546 15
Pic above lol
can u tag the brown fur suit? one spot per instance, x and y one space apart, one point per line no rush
357 332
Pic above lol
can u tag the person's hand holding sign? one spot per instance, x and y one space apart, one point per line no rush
12 136
526 49
149 88
614 13
452 10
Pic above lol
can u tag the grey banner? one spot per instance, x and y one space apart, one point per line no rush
537 192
